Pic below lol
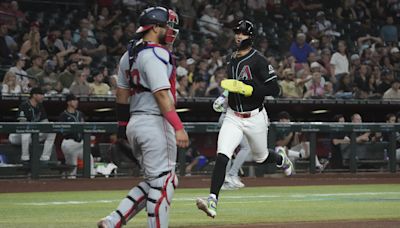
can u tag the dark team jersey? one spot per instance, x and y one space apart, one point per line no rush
78 117
27 112
252 69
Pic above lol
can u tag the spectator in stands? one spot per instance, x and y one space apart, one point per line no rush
52 41
394 91
50 45
187 13
48 78
183 86
32 110
201 71
113 84
115 47
80 86
105 20
76 55
300 49
389 32
288 61
67 77
386 64
361 81
325 62
368 41
215 61
395 59
98 87
87 47
36 68
337 139
10 84
14 9
345 12
387 78
362 11
209 23
345 88
315 87
355 64
198 88
323 25
294 143
21 74
5 49
72 144
215 89
84 24
195 52
128 34
339 62
32 45
67 39
290 86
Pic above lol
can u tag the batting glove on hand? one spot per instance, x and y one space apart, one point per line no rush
218 104
236 86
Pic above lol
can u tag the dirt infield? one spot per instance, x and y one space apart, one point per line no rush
50 185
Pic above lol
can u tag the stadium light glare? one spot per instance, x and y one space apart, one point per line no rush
320 111
103 110
183 110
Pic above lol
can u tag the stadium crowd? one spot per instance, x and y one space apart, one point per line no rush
320 49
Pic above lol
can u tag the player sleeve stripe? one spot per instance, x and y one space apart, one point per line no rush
161 88
270 79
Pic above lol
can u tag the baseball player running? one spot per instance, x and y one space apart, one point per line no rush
146 77
232 180
72 144
251 78
32 110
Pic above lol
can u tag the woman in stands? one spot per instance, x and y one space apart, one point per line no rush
10 84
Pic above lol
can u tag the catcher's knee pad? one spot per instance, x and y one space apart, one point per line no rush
133 203
159 199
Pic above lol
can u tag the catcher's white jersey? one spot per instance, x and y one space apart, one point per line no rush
150 73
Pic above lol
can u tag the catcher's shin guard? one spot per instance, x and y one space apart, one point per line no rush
159 200
132 204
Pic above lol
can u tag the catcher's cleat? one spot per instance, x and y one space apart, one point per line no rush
104 223
209 206
287 165
236 86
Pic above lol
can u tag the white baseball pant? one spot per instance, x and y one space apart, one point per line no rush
254 128
72 151
25 139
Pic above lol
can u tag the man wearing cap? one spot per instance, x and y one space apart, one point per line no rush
72 144
32 110
68 76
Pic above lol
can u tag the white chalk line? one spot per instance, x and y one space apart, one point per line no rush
294 197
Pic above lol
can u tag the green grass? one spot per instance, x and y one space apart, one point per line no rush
248 205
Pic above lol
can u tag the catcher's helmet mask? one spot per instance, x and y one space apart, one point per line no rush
245 27
159 16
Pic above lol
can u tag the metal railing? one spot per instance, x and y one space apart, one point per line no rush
204 127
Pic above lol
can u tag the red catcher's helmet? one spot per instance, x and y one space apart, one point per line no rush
159 16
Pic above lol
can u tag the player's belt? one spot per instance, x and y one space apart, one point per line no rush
250 113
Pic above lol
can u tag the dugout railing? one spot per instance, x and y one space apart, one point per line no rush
312 128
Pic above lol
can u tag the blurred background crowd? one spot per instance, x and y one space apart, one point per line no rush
320 49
